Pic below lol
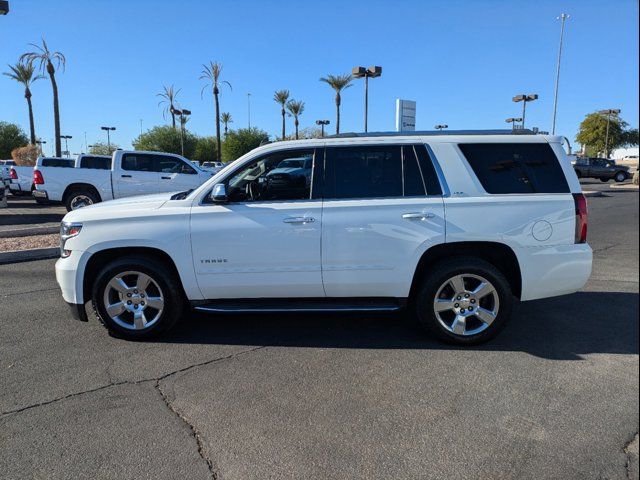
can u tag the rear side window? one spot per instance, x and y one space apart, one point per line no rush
140 163
99 163
516 167
57 162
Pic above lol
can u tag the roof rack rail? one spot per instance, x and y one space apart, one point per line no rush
432 133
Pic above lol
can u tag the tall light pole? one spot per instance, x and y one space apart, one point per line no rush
524 99
66 143
322 123
366 73
563 17
441 126
513 122
108 130
608 112
40 143
249 109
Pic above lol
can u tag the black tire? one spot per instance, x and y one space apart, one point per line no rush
604 180
425 296
41 201
165 279
620 177
72 198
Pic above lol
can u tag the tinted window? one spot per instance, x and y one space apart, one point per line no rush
284 175
57 162
174 165
413 182
100 163
364 172
516 167
428 171
140 163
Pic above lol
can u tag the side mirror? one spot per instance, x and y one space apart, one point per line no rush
219 193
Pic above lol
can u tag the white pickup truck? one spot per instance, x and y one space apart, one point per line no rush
95 179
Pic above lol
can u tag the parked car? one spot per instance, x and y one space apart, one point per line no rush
451 227
601 168
20 180
5 166
130 173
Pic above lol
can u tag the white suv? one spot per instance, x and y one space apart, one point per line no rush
451 226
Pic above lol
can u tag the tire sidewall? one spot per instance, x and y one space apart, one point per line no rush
172 299
620 177
443 272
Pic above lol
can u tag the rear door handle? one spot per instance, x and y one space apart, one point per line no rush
125 176
299 220
418 215
165 178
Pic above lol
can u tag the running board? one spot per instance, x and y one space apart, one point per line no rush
268 305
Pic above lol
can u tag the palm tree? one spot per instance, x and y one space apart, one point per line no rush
211 73
22 72
295 108
46 60
169 98
226 119
338 83
281 97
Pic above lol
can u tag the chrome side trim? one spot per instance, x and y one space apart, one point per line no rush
297 310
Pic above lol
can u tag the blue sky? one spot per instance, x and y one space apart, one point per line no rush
462 61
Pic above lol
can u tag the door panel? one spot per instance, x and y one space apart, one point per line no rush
371 245
138 175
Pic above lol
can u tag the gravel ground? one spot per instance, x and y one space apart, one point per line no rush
26 243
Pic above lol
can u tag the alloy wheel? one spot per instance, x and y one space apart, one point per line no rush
133 300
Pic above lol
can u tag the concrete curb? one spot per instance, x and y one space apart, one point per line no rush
29 231
623 186
18 256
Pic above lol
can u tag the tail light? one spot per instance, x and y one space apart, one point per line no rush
582 215
38 179
13 175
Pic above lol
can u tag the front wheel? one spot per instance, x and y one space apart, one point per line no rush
620 177
137 298
464 301
604 180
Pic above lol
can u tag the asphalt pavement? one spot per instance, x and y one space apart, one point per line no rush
329 396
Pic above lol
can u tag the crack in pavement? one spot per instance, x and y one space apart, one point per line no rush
5 295
129 382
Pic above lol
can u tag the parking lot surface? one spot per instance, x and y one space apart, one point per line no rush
339 396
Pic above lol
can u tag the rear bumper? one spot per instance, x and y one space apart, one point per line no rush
41 194
552 271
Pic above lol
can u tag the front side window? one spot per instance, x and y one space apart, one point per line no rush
174 165
504 168
284 175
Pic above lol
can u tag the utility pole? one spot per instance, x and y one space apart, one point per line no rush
563 17
249 108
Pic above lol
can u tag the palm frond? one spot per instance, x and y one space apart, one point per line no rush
338 82
295 107
281 97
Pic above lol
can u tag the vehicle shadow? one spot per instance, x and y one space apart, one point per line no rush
562 328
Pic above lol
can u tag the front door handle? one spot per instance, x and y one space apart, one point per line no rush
299 220
418 215
125 176
165 178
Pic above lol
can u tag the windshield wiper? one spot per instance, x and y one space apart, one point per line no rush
181 195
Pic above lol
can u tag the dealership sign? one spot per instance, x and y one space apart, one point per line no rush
405 115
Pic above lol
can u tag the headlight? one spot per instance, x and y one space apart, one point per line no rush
67 231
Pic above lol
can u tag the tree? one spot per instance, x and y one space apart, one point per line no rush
211 74
281 97
338 83
295 108
165 138
226 119
309 132
593 133
168 100
241 141
23 72
11 137
26 156
101 148
205 150
46 60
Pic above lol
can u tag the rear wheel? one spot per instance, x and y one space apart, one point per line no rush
137 298
604 180
620 177
80 198
464 300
